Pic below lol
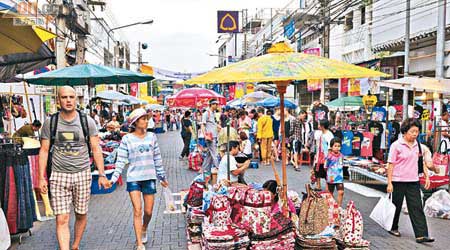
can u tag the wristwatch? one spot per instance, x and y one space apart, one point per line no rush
102 175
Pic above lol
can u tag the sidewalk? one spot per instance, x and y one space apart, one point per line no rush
110 216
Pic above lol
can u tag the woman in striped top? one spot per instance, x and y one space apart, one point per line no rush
139 149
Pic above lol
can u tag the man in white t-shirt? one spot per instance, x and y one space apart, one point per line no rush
235 168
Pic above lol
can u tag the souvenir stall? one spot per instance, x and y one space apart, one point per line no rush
427 108
243 216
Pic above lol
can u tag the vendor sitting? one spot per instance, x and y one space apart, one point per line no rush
272 186
235 168
27 130
113 125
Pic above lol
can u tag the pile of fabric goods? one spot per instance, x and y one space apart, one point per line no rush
251 217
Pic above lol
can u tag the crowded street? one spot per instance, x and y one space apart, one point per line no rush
110 226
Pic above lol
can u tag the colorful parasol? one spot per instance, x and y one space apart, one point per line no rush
281 66
194 98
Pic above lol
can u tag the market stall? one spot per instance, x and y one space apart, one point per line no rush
281 65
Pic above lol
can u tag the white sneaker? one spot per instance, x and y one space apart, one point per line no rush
140 247
144 237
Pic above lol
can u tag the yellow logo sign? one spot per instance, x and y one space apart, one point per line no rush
232 20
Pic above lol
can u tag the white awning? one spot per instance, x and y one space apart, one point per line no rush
426 84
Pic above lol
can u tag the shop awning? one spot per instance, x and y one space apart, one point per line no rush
21 63
426 84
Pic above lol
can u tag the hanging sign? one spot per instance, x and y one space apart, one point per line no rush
344 85
227 21
369 102
314 84
143 89
355 88
239 91
250 88
134 88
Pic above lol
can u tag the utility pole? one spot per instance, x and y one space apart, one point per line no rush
406 65
440 39
61 40
81 48
139 56
325 9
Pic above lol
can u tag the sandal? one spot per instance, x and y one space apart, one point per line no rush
424 240
396 233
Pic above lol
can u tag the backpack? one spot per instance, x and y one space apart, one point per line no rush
54 127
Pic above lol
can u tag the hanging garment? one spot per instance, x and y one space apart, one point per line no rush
366 145
347 147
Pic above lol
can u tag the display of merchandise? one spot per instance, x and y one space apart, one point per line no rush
367 144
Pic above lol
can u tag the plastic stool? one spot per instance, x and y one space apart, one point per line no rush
306 160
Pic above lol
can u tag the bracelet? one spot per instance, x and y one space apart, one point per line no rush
102 175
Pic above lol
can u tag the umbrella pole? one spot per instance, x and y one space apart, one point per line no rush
281 87
28 101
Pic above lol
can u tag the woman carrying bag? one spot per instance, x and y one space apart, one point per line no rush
140 151
405 162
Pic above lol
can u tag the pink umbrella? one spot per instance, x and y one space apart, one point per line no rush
194 98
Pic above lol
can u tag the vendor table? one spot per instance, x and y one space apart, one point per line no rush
361 175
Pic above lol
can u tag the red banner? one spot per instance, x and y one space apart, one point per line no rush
344 85
134 89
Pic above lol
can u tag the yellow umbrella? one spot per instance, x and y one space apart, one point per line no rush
20 38
282 65
149 99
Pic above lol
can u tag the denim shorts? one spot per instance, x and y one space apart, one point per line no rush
146 187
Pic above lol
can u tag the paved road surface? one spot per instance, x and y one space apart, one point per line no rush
110 216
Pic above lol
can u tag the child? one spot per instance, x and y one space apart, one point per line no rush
335 171
246 145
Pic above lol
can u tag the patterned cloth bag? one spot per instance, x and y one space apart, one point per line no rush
333 208
195 195
352 225
256 211
236 195
311 219
195 160
220 211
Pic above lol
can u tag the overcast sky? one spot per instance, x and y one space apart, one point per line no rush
183 32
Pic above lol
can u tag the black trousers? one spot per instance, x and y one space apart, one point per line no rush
187 142
410 190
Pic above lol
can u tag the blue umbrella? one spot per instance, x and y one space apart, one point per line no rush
87 74
111 95
273 102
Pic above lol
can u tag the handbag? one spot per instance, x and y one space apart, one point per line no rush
195 160
441 160
383 213
195 195
352 226
311 219
256 211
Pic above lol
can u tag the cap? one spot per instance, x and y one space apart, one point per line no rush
136 114
213 101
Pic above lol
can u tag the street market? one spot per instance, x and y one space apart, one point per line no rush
295 141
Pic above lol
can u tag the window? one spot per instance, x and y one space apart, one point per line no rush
363 14
349 21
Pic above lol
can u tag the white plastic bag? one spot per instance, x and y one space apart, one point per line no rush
383 213
170 203
5 240
438 205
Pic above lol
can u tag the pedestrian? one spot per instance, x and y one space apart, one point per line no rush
209 128
444 128
70 179
186 133
244 122
113 125
151 122
246 145
296 140
94 115
276 123
403 178
140 151
264 135
335 171
323 139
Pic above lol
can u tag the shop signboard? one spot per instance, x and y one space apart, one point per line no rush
134 88
312 51
314 84
289 29
227 21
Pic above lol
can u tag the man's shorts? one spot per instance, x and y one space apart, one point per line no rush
145 187
70 188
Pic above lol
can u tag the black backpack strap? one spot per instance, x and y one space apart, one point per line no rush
85 127
53 128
